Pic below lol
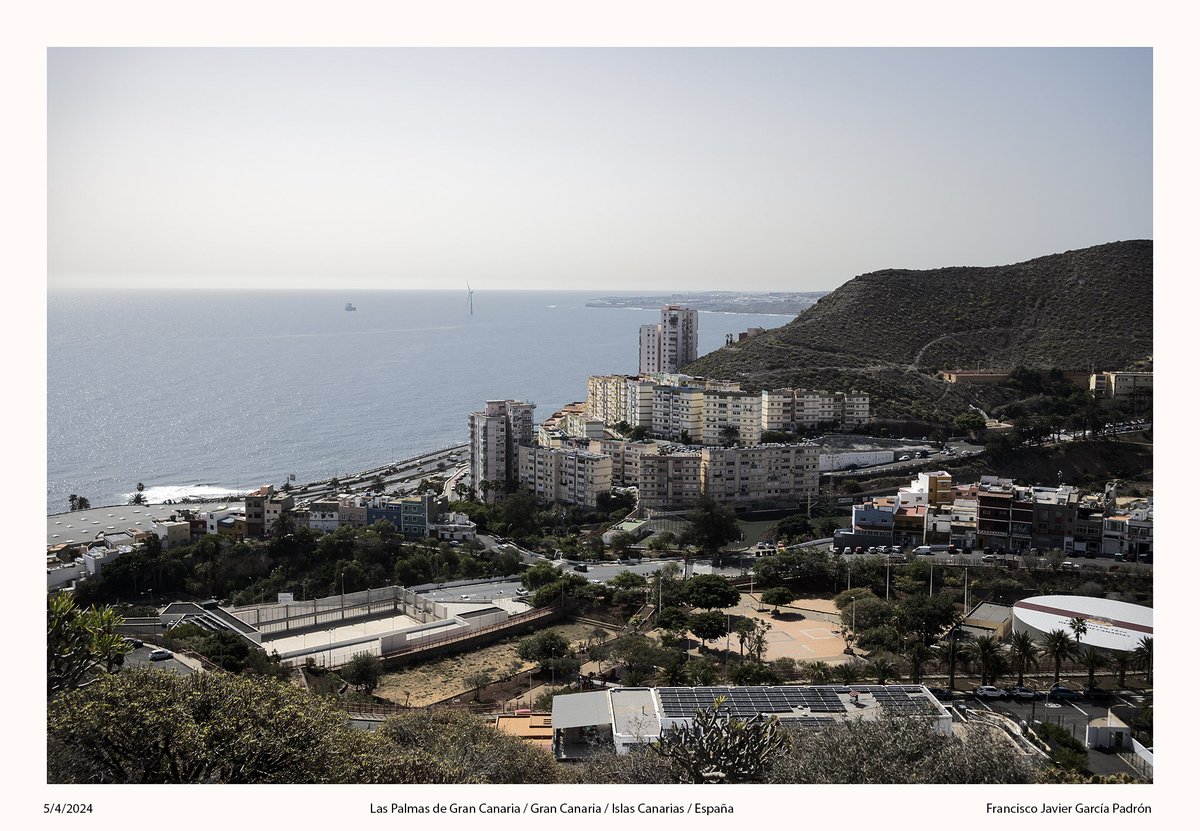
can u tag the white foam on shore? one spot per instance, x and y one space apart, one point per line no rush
159 494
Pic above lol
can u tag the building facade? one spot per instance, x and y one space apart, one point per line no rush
671 343
494 433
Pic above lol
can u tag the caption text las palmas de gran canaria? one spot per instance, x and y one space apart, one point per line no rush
616 808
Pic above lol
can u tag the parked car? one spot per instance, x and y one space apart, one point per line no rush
1023 693
922 550
989 691
988 558
1070 566
897 549
941 693
906 458
1059 693
522 592
1097 694
134 642
160 654
580 567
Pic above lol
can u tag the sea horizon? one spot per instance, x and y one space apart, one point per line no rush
210 390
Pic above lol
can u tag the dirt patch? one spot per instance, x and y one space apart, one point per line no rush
434 681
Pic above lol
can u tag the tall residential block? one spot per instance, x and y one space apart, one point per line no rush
571 475
761 476
495 433
671 343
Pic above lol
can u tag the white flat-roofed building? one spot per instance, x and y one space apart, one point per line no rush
1112 625
627 717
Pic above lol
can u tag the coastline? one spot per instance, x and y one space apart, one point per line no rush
78 527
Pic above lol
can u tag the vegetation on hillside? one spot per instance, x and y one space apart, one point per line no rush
889 332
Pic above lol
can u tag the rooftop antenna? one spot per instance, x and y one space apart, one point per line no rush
470 298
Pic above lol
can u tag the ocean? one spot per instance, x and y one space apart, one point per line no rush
196 393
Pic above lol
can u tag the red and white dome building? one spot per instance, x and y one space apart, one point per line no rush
1111 624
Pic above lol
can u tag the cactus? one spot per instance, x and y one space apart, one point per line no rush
717 748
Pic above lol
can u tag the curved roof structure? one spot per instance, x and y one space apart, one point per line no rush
1111 624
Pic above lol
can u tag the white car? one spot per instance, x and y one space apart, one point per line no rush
990 692
160 654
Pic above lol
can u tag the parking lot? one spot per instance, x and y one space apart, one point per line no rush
140 658
1072 716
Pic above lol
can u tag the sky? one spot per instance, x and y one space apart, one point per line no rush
768 169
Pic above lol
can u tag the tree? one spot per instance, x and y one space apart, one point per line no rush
988 654
970 423
543 647
710 591
363 672
621 543
778 596
730 435
898 750
708 626
78 503
138 498
918 657
79 643
1092 660
716 748
1121 662
1143 657
144 726
1058 646
1024 653
882 668
1079 628
445 746
817 672
849 672
712 525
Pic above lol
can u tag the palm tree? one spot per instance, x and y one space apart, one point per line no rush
1092 660
1079 628
1143 657
818 672
1024 653
883 668
847 673
1058 646
1121 662
988 652
918 657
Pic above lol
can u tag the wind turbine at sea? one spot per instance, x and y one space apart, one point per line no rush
470 298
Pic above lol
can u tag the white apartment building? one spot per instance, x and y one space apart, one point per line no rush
671 343
570 475
792 409
776 475
494 434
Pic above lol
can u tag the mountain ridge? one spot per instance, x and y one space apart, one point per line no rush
889 332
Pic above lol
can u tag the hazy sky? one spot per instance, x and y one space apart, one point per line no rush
766 169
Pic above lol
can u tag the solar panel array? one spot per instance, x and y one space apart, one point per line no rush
745 702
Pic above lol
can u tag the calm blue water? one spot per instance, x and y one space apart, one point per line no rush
209 392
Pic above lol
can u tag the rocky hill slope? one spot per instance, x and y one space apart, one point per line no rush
889 332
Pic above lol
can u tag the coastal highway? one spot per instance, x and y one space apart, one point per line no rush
75 527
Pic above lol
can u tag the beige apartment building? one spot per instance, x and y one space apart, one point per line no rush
667 479
1136 388
571 475
792 409
495 432
764 475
